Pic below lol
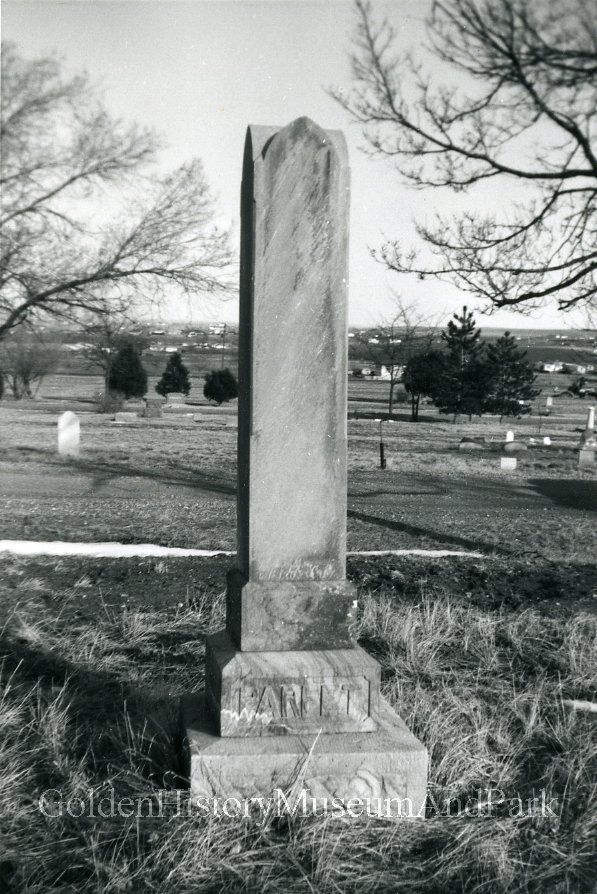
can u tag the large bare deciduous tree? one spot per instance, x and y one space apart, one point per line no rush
85 213
508 95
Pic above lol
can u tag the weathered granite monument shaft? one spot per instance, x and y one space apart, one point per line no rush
286 667
290 590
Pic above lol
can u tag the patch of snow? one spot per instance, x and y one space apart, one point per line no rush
124 550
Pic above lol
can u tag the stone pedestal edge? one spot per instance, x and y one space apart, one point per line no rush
385 771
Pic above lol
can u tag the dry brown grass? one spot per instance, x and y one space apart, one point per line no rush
483 689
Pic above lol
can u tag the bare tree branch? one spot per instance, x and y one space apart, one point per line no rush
528 116
65 160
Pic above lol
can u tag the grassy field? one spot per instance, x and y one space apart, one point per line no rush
481 657
172 481
363 394
92 670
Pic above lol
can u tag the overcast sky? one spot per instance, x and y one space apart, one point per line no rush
201 71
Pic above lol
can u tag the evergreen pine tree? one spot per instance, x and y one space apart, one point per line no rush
175 377
462 388
422 375
220 385
127 374
511 378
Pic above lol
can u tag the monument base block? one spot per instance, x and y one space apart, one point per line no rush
290 693
385 771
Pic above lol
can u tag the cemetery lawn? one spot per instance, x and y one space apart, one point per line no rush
480 656
173 482
96 652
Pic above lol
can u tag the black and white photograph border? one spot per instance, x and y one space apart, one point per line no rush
298 351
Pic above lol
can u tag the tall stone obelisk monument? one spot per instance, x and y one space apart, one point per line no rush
286 667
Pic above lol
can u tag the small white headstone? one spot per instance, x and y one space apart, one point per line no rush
549 402
176 398
586 457
68 434
590 419
508 463
547 441
509 436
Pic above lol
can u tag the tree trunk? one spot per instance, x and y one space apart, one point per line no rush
391 401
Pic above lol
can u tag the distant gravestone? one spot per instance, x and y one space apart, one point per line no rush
588 436
547 441
514 447
153 407
508 463
176 402
176 398
287 668
509 436
472 444
549 403
586 457
69 434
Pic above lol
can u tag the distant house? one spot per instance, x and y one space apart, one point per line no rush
373 370
554 367
382 372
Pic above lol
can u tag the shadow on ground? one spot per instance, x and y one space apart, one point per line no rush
573 494
440 537
103 709
104 472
